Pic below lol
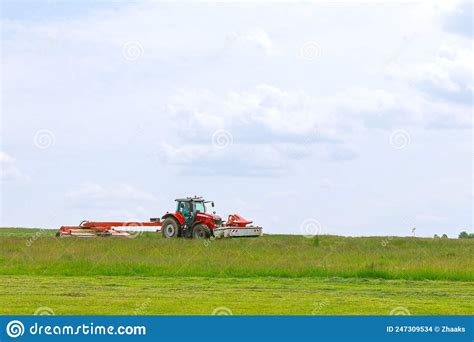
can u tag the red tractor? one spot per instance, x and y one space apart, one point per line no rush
192 219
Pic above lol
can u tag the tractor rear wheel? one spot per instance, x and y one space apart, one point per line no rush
170 228
201 231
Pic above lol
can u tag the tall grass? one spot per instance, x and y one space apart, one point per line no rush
268 256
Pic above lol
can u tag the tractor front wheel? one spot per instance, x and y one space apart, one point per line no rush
201 231
170 228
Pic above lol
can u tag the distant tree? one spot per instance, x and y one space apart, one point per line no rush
465 235
444 236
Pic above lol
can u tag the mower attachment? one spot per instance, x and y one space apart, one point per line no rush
225 232
237 226
103 229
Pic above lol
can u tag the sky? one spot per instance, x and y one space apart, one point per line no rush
308 118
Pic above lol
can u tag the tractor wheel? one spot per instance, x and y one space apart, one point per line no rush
170 228
201 231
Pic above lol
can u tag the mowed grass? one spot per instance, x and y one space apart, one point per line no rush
120 295
273 274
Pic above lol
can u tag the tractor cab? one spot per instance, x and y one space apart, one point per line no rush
189 207
185 209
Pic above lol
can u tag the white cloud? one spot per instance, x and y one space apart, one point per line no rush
451 70
429 218
459 20
329 184
254 37
429 10
243 159
134 214
283 195
271 128
455 16
9 170
266 109
266 113
89 191
237 159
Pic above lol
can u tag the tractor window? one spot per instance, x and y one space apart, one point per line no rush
199 207
184 208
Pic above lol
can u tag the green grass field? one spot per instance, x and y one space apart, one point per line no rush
274 274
